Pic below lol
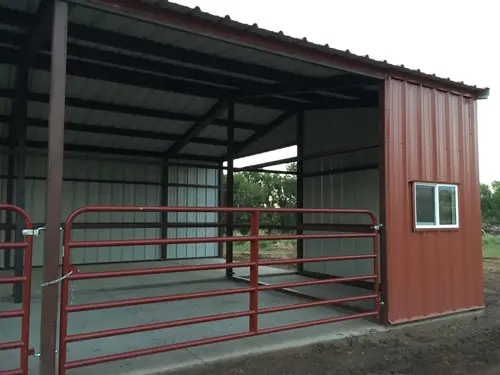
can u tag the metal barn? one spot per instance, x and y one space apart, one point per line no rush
116 121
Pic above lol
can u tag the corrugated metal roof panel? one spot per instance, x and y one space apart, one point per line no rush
141 29
4 130
5 105
248 113
216 23
203 150
220 132
7 76
29 6
431 136
102 140
111 92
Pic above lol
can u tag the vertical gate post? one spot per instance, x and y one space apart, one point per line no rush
230 185
300 185
10 195
52 241
220 216
164 203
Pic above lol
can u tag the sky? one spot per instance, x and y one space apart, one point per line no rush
449 38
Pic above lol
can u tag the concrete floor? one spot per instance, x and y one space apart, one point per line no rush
144 286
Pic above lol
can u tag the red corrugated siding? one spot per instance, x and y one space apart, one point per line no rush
431 136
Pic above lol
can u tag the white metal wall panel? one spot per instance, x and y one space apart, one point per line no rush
136 185
329 131
117 183
193 187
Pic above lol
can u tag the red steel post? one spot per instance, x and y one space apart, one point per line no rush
254 271
66 269
376 285
28 265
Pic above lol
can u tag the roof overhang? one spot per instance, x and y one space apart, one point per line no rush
223 28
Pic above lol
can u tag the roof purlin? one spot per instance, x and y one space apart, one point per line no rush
279 44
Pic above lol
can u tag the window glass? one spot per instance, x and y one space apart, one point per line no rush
447 205
425 204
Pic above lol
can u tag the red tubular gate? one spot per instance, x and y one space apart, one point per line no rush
24 312
253 289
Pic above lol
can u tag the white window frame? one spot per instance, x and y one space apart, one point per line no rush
436 206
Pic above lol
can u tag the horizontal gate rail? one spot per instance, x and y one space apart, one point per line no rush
24 312
253 290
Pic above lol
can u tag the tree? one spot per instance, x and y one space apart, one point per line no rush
490 203
261 189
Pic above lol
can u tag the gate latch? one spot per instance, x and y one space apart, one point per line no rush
377 227
34 232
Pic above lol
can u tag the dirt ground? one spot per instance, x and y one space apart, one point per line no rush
276 253
469 346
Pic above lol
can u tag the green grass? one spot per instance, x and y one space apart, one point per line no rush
491 246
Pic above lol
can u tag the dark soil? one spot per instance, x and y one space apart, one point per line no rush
458 346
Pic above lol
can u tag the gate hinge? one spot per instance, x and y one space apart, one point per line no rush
377 227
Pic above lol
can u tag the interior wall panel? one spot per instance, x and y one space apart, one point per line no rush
328 131
117 183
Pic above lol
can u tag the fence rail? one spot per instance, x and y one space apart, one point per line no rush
253 289
25 279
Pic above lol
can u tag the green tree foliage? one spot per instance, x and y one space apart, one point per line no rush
265 190
490 203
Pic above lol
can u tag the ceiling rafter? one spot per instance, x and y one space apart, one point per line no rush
195 129
127 109
115 151
109 130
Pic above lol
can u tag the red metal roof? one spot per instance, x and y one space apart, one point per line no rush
197 21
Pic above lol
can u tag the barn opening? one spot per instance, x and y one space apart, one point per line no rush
154 115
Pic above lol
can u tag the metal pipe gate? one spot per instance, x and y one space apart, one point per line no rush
72 274
24 312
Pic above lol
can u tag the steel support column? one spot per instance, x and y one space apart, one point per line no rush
164 215
52 240
300 185
230 185
19 114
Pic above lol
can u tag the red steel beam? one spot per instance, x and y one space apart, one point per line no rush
13 245
154 326
12 372
11 314
314 260
306 305
149 300
12 279
177 241
154 271
11 345
316 282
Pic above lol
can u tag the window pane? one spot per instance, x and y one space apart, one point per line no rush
447 205
426 210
